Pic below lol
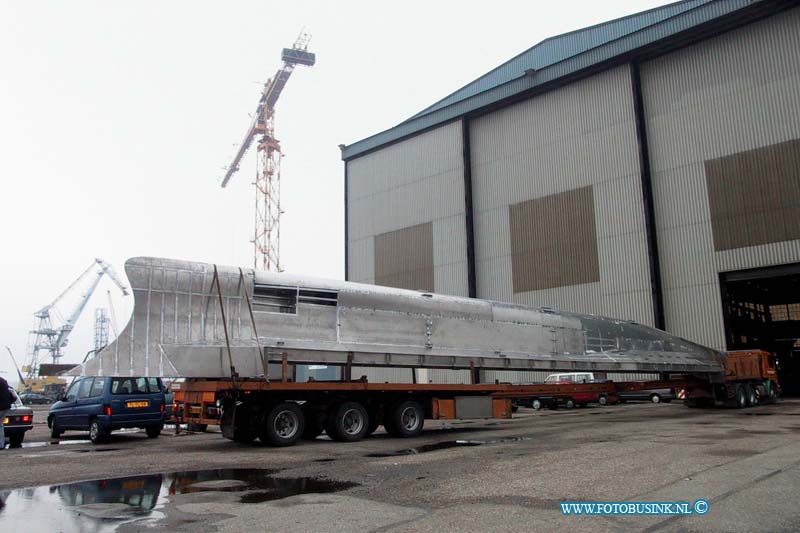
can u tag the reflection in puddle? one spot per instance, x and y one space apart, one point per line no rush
103 505
430 448
425 448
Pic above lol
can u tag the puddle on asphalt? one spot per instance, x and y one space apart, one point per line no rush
425 448
105 504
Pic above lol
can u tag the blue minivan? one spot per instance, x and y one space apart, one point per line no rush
103 404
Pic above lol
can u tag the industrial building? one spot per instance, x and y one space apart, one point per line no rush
647 168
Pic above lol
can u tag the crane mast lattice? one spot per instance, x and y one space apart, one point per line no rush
267 232
47 339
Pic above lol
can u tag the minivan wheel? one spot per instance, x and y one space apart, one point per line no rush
55 431
96 432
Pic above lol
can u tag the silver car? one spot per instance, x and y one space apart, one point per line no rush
653 395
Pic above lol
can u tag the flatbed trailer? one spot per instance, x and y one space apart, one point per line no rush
280 413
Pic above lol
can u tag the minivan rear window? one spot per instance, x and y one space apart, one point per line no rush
134 386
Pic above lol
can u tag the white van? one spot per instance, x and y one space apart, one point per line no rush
574 377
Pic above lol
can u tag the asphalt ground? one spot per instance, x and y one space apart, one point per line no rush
505 475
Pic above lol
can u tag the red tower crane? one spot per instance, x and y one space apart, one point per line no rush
267 233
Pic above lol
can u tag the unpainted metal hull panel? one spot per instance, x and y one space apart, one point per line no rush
176 330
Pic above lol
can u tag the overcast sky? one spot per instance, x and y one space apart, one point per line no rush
116 119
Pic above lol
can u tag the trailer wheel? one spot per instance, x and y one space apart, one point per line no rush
569 403
750 392
603 399
348 422
283 425
195 427
405 419
536 404
739 396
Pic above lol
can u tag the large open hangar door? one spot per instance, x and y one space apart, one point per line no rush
762 310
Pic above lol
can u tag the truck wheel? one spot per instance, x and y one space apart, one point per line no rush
739 396
772 394
55 430
655 398
153 431
15 440
405 419
348 422
750 392
536 404
603 399
97 434
283 425
197 428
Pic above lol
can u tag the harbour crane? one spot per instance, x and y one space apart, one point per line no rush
48 340
267 232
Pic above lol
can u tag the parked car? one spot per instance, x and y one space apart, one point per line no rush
32 398
654 395
16 422
104 404
579 398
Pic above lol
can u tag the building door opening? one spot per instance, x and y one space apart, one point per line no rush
762 311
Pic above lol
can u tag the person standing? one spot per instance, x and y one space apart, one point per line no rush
7 398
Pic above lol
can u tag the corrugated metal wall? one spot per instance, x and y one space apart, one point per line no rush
727 95
581 135
409 183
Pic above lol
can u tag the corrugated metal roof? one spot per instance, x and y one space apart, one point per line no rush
556 58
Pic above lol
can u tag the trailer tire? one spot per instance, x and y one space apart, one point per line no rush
739 396
195 427
536 404
347 422
603 399
283 425
405 419
569 403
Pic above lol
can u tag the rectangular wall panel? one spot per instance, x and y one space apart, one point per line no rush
717 114
404 258
415 182
549 250
754 196
581 137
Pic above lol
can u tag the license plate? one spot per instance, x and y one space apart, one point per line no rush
134 405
